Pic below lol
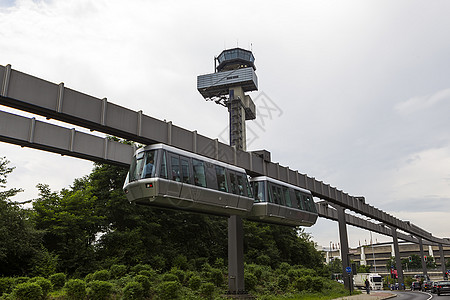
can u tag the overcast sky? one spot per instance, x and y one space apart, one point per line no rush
359 91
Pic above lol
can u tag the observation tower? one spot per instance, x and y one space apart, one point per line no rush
233 77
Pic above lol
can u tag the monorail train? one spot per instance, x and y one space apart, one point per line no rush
167 177
281 203
164 176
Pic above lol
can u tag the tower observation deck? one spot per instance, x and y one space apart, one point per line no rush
235 75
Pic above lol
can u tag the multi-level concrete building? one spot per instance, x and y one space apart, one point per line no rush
378 255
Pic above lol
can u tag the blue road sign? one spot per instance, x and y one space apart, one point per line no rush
348 269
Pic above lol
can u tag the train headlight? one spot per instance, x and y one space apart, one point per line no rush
149 185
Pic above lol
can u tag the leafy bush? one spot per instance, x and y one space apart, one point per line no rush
145 282
27 291
101 275
283 282
207 290
195 282
141 267
75 289
181 275
6 284
180 262
133 291
45 284
118 271
151 274
216 276
250 281
19 280
58 280
317 284
99 290
169 290
263 260
169 277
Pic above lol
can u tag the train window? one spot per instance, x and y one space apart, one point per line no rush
300 203
242 184
199 173
248 187
175 163
136 167
163 171
287 197
149 170
185 170
233 182
221 179
280 196
309 203
258 189
275 192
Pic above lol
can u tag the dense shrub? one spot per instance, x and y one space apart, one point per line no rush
118 271
141 267
18 280
169 290
151 274
195 282
99 290
207 290
27 291
145 282
101 275
6 285
180 262
133 291
317 284
169 277
45 284
250 281
58 280
216 276
181 275
283 282
75 289
263 260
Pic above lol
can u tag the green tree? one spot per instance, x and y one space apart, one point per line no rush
71 222
20 243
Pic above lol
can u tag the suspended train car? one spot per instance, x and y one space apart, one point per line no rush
164 176
281 203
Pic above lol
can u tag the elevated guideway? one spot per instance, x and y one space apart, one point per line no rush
35 95
29 132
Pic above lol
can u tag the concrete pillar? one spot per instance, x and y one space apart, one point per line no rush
363 256
398 261
424 263
235 255
344 246
442 260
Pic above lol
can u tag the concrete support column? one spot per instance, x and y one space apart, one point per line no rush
363 256
424 263
344 245
442 260
235 255
398 261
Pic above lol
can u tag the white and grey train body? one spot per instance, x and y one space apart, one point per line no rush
167 177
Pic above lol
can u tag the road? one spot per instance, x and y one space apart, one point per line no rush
417 295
